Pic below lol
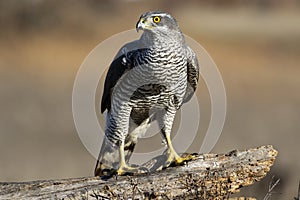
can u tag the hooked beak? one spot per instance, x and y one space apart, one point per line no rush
141 24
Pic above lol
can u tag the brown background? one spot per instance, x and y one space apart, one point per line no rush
256 46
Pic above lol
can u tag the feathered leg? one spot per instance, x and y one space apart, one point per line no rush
127 150
111 156
165 122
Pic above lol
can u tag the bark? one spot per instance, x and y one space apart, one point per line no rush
209 176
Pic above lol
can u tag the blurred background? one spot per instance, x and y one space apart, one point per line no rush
255 44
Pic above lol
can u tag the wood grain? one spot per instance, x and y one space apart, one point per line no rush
209 176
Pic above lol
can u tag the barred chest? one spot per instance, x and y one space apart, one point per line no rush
164 65
165 72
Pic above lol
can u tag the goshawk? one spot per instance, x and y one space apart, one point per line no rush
148 80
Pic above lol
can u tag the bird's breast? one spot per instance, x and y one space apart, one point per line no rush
159 75
165 65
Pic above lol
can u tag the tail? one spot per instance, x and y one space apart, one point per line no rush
109 157
108 160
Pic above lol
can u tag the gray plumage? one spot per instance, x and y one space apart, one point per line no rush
148 80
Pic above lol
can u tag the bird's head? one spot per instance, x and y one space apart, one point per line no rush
157 22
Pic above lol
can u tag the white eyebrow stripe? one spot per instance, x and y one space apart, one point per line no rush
161 14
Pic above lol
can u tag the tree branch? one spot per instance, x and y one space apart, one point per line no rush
209 176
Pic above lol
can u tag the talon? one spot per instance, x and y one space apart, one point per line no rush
177 160
184 160
129 170
173 158
120 172
125 170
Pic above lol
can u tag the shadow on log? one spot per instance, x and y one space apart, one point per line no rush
209 176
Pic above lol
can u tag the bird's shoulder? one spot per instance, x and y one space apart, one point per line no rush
123 61
193 73
192 59
190 53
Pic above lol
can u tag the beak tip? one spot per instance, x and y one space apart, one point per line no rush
138 27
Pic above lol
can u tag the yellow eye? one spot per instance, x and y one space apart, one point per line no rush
156 19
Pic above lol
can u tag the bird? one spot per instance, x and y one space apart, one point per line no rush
148 80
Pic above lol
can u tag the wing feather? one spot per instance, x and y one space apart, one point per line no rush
192 74
123 61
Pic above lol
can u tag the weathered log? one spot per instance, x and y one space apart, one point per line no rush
209 176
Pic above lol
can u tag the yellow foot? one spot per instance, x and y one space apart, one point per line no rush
175 160
184 159
130 170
